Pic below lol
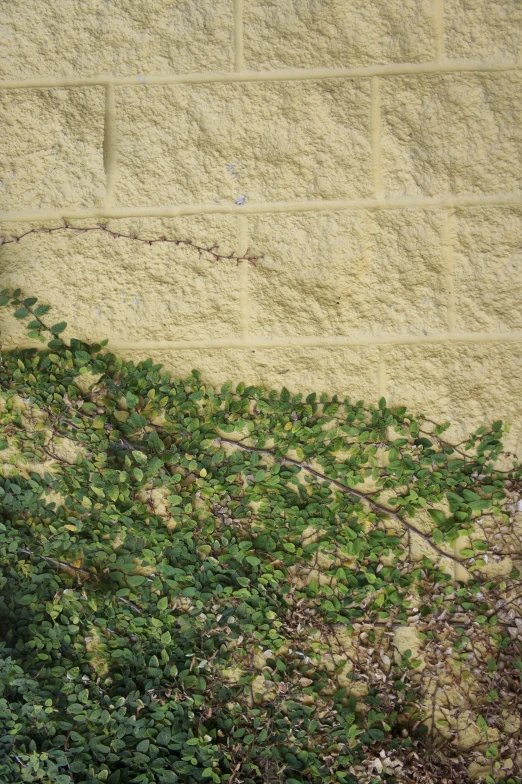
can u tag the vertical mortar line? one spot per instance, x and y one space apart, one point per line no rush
109 143
381 374
375 132
243 282
447 252
238 35
438 27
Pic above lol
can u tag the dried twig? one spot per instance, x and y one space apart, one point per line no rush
211 250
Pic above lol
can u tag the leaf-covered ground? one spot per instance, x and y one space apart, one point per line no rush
243 586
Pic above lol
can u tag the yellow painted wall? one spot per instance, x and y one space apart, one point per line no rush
378 147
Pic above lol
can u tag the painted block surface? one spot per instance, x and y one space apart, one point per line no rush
348 274
218 143
300 34
370 152
86 38
452 134
51 148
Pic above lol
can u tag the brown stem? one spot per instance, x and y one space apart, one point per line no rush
344 489
211 250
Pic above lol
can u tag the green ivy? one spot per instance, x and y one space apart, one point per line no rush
158 534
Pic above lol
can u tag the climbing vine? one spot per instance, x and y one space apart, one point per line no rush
241 586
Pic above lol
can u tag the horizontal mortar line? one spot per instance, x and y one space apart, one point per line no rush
276 75
305 342
326 342
319 205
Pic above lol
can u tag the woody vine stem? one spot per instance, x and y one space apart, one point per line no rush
211 250
222 585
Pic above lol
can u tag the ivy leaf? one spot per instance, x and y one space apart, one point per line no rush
481 724
136 420
135 580
437 516
56 329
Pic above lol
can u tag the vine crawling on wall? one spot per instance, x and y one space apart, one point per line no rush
210 250
247 586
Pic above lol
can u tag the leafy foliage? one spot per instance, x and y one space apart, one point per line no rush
204 584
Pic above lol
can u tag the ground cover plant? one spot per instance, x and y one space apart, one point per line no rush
240 585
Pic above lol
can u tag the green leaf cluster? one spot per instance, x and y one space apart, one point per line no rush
173 582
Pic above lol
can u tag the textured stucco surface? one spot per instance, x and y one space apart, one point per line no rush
300 34
370 149
51 148
90 37
295 140
452 133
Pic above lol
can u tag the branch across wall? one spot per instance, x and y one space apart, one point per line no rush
209 250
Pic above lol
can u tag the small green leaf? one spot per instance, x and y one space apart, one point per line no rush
136 420
27 599
481 724
56 329
437 516
113 492
135 580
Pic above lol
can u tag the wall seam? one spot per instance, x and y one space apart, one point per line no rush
449 265
326 205
238 35
244 279
381 374
438 23
290 74
109 144
314 342
375 133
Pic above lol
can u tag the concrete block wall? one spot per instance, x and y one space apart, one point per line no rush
370 149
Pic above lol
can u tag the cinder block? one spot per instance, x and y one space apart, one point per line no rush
487 260
127 291
348 273
218 143
83 38
452 133
342 370
483 30
336 33
51 148
469 385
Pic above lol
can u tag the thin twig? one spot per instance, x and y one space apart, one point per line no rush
211 250
344 489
